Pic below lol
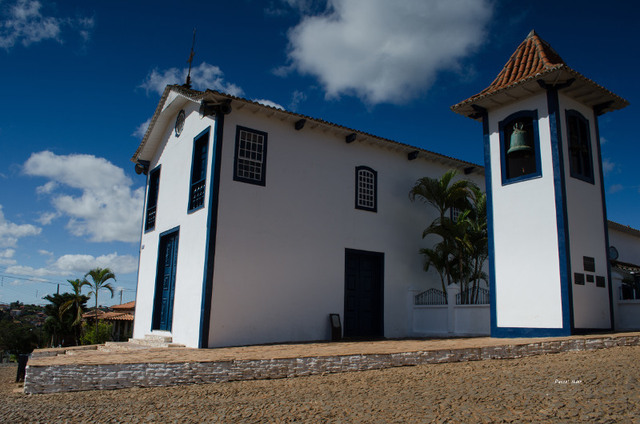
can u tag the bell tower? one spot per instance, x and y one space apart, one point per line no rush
548 242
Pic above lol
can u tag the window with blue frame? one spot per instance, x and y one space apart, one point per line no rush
520 147
199 171
579 141
152 200
366 189
250 163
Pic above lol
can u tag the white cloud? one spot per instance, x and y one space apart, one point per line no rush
142 129
108 209
6 257
11 232
47 188
383 51
268 103
45 252
203 76
47 218
23 22
296 98
70 265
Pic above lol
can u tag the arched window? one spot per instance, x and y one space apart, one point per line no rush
366 189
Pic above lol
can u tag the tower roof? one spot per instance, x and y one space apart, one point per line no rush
535 60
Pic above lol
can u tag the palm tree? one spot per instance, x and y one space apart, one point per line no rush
99 277
437 258
76 302
442 193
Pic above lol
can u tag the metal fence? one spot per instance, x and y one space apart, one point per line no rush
431 297
473 297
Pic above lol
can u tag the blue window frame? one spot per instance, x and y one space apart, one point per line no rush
198 185
520 147
366 189
250 162
152 200
579 142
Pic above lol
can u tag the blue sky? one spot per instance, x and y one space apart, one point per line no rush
80 79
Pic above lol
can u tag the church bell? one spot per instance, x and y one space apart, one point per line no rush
518 142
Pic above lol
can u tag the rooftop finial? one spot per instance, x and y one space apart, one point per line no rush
532 33
187 84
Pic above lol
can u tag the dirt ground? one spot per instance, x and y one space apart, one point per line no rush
595 386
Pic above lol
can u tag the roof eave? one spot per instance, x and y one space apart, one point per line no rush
582 89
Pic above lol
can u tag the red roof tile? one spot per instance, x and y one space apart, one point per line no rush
536 60
532 57
128 305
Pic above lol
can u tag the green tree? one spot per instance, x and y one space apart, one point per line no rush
99 278
76 304
58 326
460 255
97 335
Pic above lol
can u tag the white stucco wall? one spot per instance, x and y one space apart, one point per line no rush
525 233
586 228
280 255
174 155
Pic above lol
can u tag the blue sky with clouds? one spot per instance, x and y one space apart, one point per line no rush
81 79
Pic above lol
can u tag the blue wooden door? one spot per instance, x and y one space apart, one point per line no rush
165 282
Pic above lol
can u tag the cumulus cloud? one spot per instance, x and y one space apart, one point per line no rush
69 265
107 209
203 76
6 257
383 51
23 22
142 129
268 103
47 218
10 232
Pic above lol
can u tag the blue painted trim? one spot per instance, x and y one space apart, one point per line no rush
375 189
508 332
263 180
533 114
573 172
559 185
155 286
212 229
196 139
153 172
604 216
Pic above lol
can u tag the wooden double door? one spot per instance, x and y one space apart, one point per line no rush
363 296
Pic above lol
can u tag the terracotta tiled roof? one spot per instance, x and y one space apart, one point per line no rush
536 61
116 316
532 57
128 305
626 266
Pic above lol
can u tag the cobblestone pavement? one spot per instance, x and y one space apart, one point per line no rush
590 386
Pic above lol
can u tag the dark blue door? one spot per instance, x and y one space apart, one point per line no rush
165 281
363 294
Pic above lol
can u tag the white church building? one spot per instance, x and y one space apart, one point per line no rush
259 223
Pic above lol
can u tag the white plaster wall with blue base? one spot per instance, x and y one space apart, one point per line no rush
174 157
280 255
591 306
527 281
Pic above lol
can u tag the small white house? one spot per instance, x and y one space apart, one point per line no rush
259 223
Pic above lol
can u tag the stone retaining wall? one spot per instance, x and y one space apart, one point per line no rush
65 378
